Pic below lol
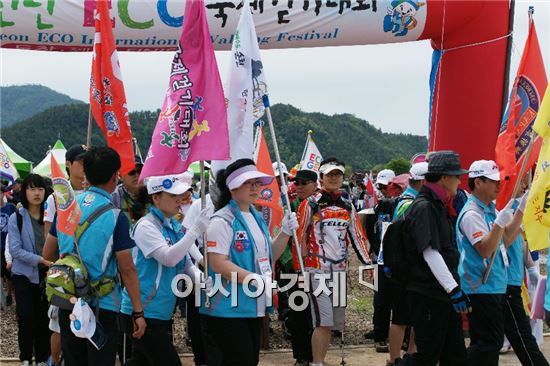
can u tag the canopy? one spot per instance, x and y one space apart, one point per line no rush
44 167
23 166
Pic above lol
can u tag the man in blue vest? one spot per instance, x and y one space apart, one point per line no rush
105 247
481 233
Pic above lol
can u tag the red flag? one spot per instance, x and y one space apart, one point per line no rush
107 98
68 211
517 124
270 196
371 199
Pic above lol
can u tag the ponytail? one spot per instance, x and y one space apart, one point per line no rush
224 194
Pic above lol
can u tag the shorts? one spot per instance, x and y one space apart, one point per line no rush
323 313
400 305
53 314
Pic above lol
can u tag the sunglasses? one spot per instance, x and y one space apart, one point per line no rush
135 172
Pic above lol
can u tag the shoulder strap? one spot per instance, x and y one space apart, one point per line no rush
19 221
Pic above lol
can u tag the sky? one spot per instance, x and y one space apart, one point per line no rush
366 81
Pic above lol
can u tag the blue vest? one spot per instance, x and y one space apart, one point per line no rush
96 243
155 280
472 265
515 257
220 305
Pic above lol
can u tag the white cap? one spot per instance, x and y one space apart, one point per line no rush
276 168
329 167
174 184
419 170
82 320
385 176
247 172
484 168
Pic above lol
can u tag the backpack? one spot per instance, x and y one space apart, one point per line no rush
61 283
395 243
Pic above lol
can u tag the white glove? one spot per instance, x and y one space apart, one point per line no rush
290 223
201 224
523 201
505 216
534 276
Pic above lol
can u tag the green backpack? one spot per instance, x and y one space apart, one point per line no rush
61 283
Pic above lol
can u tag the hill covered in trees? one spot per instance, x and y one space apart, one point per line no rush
345 136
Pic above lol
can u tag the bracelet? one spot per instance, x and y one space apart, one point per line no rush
137 314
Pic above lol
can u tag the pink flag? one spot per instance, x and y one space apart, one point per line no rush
192 125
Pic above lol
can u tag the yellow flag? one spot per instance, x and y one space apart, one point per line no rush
542 123
536 219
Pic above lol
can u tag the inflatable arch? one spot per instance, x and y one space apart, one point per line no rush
469 39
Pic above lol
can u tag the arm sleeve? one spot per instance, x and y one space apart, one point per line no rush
16 245
220 236
153 245
195 253
121 235
474 227
7 253
439 269
190 269
50 210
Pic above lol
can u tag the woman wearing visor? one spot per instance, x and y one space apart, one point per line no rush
162 250
239 244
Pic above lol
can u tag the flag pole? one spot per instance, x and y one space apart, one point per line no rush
89 134
514 194
204 239
284 186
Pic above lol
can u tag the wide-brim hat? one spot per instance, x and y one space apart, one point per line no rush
247 172
445 163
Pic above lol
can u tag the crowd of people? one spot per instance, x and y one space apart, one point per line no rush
140 249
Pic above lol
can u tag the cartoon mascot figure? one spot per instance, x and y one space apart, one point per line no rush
401 17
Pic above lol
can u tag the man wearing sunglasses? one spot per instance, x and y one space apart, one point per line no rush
125 197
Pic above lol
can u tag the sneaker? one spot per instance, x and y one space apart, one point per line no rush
369 335
301 363
51 363
382 347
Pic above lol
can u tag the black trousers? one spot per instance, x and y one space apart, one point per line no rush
81 352
382 307
438 333
194 331
155 347
486 329
299 324
518 330
547 317
231 341
32 320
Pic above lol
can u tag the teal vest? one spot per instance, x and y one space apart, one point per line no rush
220 305
472 265
155 280
96 243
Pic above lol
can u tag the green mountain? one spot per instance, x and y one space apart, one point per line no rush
19 102
344 136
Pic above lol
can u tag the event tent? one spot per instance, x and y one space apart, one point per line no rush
44 167
23 166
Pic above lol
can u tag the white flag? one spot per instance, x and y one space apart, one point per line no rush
244 90
7 171
312 157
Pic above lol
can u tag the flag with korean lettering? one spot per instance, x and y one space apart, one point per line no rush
536 220
192 125
68 211
312 158
7 170
517 125
270 195
107 97
244 90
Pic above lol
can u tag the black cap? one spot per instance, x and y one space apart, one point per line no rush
445 163
75 152
305 175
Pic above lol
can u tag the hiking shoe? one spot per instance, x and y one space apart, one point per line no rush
369 335
382 347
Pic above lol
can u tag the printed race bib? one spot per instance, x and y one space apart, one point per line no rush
265 265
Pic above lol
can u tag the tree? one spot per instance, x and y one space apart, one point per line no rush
399 165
